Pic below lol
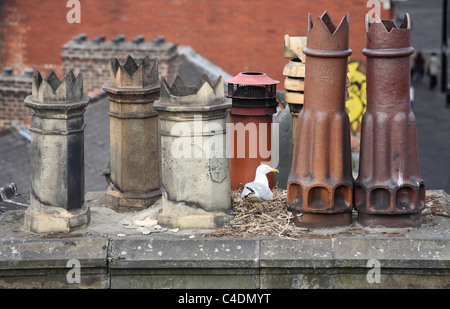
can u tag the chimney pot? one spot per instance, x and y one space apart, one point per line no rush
7 71
138 39
118 39
159 40
99 39
80 38
28 72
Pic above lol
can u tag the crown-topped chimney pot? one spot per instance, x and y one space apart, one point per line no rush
57 154
320 184
133 75
135 170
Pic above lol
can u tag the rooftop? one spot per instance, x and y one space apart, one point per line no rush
130 250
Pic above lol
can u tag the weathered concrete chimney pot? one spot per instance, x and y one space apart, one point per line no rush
195 174
57 154
134 150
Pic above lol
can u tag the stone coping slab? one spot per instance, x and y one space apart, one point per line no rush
114 254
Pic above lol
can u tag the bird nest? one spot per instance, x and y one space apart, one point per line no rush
272 218
260 218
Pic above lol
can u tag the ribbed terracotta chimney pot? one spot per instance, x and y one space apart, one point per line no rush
320 184
389 190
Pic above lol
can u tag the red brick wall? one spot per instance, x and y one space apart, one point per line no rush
13 91
236 35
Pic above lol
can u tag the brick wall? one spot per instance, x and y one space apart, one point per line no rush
92 57
13 91
234 34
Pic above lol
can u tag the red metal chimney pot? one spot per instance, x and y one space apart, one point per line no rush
254 101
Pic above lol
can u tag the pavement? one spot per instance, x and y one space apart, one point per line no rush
432 115
433 131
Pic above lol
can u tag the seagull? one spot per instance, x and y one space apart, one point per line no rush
259 189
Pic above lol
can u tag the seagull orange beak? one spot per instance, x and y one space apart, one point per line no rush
274 170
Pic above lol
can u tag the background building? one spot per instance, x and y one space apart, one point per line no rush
236 35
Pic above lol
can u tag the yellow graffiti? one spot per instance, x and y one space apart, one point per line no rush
356 104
